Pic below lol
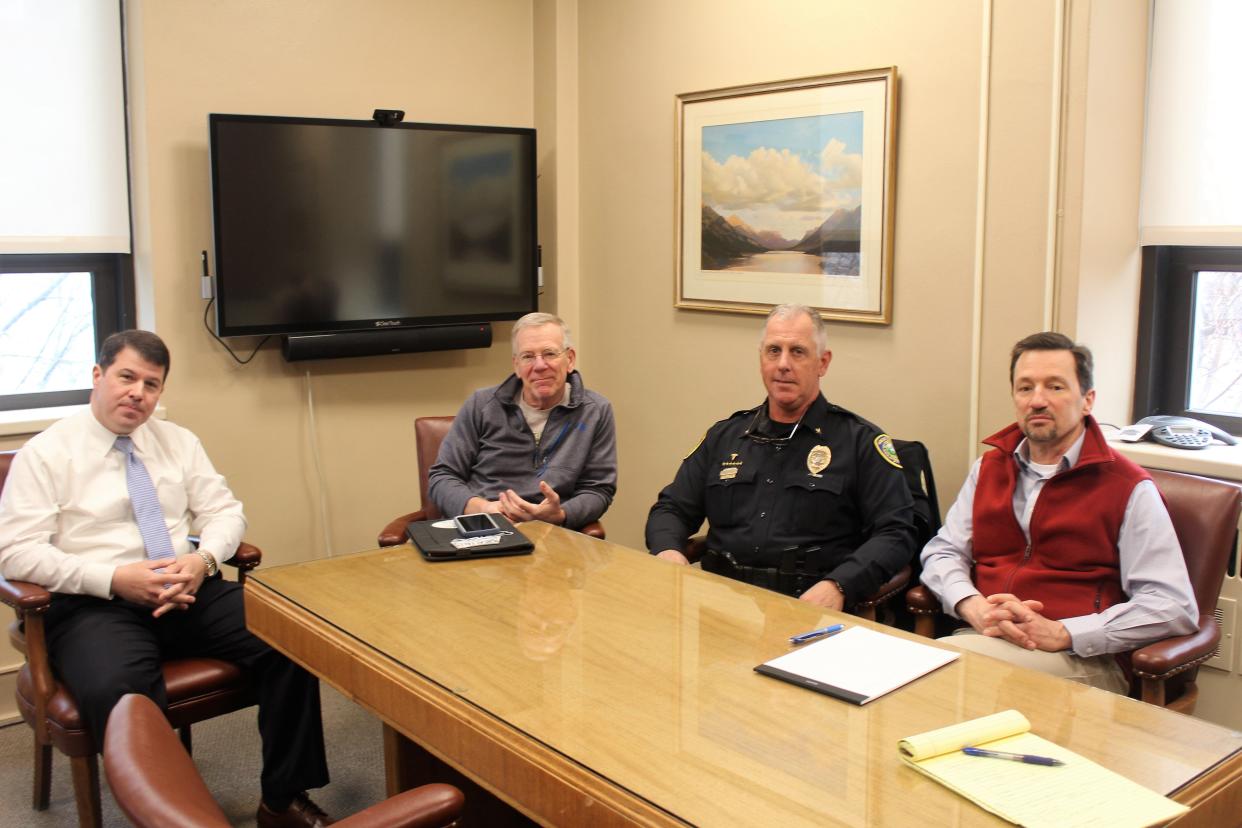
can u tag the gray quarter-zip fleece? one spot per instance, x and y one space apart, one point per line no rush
490 448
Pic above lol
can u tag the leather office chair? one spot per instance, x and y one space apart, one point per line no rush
429 433
156 784
198 689
1205 517
916 466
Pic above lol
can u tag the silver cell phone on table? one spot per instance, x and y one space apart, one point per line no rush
477 525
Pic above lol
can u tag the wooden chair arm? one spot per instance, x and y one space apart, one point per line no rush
24 597
428 806
246 558
394 533
1165 659
595 529
887 590
921 601
925 607
30 601
695 548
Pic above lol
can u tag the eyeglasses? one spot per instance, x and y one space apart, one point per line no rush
527 358
763 439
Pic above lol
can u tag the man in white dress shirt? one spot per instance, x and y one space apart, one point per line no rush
131 590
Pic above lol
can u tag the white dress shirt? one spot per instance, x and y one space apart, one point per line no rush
1161 602
65 518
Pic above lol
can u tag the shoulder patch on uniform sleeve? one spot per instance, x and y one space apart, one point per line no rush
884 445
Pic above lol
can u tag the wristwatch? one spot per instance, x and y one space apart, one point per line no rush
210 560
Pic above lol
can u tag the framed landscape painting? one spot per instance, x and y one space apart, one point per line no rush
784 193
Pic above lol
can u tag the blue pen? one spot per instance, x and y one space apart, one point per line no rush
802 638
1013 757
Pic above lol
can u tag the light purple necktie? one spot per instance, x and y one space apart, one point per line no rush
146 503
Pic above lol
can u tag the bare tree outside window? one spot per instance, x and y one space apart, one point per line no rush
47 332
1216 357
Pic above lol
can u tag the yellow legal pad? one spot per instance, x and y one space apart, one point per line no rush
1079 793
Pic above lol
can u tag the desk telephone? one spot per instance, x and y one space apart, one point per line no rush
1178 432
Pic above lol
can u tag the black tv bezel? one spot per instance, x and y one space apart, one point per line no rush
220 278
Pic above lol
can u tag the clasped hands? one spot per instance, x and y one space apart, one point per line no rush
163 584
518 510
1017 621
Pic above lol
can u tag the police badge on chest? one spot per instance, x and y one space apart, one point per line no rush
818 459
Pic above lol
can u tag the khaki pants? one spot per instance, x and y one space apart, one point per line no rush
1097 671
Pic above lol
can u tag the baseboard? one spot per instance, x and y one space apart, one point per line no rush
8 692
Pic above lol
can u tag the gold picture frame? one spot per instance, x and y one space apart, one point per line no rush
784 193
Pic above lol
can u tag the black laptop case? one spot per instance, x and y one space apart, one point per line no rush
436 544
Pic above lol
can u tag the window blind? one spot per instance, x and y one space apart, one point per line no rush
1192 165
63 173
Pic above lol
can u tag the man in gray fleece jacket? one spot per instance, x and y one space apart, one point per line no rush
539 446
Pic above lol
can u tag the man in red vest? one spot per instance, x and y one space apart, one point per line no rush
1059 552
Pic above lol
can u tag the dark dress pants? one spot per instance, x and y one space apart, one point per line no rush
102 649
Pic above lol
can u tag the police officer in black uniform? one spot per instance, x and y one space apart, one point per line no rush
801 496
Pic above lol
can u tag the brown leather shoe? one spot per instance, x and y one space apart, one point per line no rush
301 813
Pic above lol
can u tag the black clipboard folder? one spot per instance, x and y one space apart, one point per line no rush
435 543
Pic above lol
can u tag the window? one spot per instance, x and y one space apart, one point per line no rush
55 310
1190 335
66 277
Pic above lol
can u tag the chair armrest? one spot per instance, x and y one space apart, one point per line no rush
921 601
890 588
394 533
1171 656
925 607
152 778
695 547
28 637
24 597
595 529
427 806
246 558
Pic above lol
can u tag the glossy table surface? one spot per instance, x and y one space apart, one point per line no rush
589 681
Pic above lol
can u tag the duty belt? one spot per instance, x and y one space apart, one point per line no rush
792 577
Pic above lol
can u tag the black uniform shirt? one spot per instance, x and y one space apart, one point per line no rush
836 485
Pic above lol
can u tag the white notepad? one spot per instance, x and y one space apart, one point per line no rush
857 664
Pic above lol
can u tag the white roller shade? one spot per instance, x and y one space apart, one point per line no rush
62 128
1192 167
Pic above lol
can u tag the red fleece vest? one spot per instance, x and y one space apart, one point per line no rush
1072 565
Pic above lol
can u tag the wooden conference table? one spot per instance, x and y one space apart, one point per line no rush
590 684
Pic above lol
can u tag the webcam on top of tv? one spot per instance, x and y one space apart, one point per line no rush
388 117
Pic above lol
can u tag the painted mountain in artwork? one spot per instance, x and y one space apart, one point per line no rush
722 242
770 239
839 234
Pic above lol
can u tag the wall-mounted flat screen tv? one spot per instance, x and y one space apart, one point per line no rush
335 225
